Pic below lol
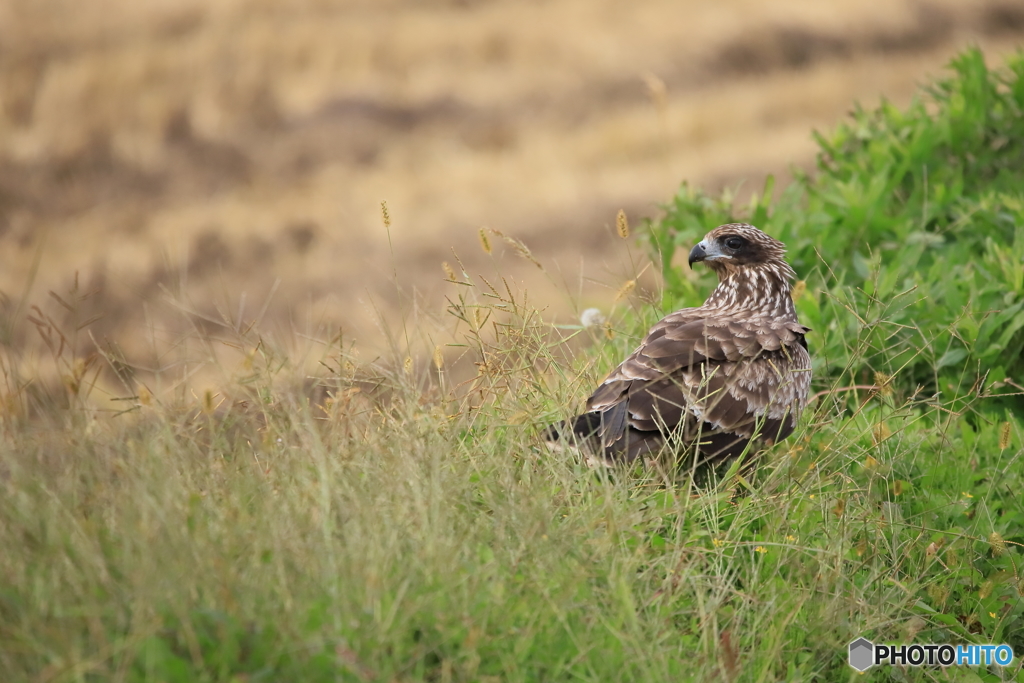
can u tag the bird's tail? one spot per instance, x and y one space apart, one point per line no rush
580 428
580 436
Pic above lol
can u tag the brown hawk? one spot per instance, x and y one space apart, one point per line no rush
711 378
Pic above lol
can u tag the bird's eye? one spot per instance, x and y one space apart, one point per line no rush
734 242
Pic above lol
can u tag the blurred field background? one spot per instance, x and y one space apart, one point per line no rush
231 156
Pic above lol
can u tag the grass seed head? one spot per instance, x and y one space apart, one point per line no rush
937 593
518 246
485 241
625 290
884 383
209 405
997 544
880 433
480 315
449 272
385 215
622 224
798 289
438 358
1004 436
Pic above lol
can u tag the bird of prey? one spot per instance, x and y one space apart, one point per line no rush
707 380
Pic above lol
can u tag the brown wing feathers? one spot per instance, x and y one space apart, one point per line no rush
713 377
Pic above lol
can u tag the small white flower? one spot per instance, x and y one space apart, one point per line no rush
592 317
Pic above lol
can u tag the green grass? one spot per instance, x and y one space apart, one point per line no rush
401 524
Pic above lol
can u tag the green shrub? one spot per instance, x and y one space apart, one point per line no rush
910 236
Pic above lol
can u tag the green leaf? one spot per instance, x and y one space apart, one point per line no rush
951 357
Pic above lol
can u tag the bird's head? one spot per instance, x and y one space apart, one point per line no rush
751 268
730 249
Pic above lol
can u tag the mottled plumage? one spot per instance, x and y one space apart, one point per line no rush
709 378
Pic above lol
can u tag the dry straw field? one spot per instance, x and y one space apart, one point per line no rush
190 161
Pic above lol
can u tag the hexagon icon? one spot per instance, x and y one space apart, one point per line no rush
862 654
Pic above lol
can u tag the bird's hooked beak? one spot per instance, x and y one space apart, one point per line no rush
697 253
702 252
